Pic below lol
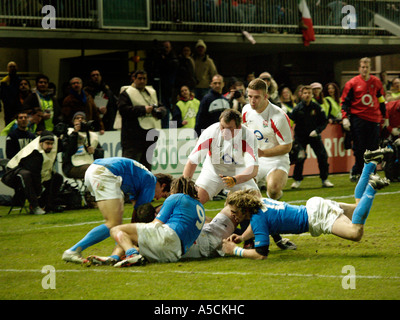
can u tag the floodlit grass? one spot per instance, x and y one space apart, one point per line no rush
313 271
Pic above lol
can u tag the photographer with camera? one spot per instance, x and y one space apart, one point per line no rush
140 113
79 146
237 95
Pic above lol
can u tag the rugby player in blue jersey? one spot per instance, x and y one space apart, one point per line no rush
108 179
318 216
170 234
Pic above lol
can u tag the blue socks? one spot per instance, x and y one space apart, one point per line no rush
131 251
369 168
94 236
361 212
116 257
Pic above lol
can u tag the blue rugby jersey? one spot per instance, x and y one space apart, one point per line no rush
185 216
137 180
276 217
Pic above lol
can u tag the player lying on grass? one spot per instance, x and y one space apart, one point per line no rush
207 245
169 235
318 216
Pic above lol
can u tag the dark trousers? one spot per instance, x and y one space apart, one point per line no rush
319 150
142 154
365 135
77 172
22 182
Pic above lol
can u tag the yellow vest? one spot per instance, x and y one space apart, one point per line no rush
189 111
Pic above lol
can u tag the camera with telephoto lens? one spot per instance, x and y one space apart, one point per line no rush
87 126
158 112
237 94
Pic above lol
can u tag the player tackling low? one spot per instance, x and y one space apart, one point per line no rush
318 216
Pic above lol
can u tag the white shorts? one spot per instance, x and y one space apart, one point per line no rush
266 166
213 184
102 183
207 245
158 242
322 214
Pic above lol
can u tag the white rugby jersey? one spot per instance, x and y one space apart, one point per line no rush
220 226
271 127
226 156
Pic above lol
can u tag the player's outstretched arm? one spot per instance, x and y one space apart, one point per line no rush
230 248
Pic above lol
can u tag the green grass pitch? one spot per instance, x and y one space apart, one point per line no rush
318 269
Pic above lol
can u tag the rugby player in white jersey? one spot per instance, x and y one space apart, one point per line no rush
229 156
271 126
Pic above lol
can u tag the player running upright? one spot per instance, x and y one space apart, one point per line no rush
271 126
363 108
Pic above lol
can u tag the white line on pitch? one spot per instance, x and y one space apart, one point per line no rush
110 270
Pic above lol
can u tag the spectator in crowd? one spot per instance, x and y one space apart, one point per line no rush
212 105
24 90
363 109
104 99
20 137
44 98
172 232
249 77
392 138
34 118
332 97
272 87
237 95
186 109
385 81
204 69
31 170
228 152
9 91
108 179
140 113
394 93
310 121
167 66
79 100
393 114
79 146
297 93
185 75
318 216
318 97
287 101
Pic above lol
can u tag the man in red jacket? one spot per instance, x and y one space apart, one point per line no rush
363 108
